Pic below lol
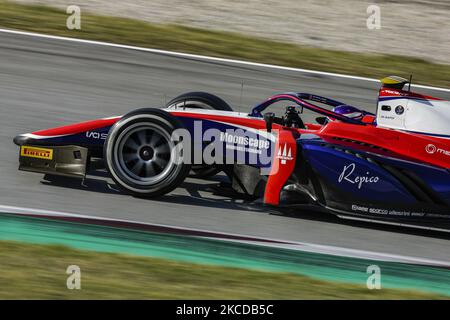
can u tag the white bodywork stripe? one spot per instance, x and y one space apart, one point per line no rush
37 137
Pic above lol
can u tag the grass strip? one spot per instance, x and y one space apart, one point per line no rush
39 272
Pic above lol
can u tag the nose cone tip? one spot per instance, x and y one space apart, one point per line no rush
20 139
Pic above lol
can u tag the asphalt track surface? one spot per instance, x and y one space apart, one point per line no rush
46 83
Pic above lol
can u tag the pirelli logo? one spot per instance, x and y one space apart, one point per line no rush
33 152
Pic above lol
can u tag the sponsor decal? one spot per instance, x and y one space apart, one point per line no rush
394 93
33 152
348 176
285 154
213 146
394 212
399 110
359 208
96 135
244 141
432 149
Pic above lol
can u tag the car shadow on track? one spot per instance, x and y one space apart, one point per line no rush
198 192
203 193
319 215
88 184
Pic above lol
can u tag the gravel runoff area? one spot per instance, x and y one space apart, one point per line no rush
419 28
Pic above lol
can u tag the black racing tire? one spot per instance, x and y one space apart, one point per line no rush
200 100
141 155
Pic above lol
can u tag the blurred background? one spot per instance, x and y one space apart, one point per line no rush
418 28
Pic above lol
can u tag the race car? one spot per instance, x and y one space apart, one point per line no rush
391 167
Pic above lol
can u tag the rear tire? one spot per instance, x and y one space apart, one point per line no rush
141 156
200 100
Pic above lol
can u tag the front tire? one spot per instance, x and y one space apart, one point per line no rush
141 156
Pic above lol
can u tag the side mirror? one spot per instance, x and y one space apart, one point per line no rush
268 118
322 120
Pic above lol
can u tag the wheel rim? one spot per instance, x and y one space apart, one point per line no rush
144 153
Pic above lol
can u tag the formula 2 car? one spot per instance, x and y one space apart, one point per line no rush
391 167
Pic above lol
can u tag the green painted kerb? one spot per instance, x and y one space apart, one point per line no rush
217 252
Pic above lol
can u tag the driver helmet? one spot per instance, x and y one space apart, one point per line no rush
348 111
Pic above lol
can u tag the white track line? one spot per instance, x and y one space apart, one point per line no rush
301 246
206 58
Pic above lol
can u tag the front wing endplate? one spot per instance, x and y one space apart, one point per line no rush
58 160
